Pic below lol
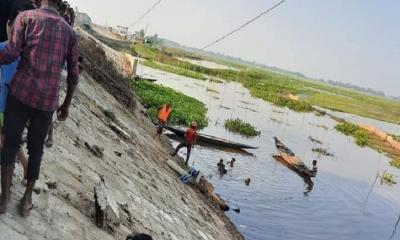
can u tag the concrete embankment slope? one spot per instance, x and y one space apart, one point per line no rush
149 195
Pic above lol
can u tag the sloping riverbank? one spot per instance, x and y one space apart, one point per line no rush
150 197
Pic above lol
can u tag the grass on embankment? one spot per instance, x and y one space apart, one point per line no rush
274 87
363 138
241 127
185 109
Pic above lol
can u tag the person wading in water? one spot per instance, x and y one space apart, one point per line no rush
45 41
163 117
188 141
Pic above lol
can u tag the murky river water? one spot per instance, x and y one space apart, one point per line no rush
344 202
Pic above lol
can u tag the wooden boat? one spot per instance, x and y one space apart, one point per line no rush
287 157
142 78
210 140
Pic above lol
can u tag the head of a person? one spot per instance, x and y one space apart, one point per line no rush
193 125
19 6
169 104
221 161
233 160
139 237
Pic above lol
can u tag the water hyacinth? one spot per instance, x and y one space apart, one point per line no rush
241 127
185 109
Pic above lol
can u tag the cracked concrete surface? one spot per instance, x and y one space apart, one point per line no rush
150 196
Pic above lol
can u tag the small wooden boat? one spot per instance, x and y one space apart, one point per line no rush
210 140
287 157
143 78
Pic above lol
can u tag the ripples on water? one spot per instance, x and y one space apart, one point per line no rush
275 205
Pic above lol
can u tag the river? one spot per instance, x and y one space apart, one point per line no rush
347 201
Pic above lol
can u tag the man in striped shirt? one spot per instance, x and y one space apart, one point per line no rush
44 42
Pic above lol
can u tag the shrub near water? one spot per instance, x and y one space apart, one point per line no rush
185 109
243 128
351 129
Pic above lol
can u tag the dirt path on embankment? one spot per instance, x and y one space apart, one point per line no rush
150 196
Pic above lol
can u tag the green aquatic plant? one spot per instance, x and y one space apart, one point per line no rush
185 109
350 129
212 90
274 87
241 127
395 163
396 137
388 178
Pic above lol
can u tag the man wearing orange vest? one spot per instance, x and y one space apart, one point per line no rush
163 116
188 141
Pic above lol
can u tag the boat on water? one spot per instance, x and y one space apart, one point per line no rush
287 157
210 140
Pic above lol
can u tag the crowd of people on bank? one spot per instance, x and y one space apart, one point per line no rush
37 41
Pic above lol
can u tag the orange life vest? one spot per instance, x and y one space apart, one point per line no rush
164 113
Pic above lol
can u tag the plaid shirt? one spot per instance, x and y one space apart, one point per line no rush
44 41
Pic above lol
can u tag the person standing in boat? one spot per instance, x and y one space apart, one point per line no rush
188 141
163 117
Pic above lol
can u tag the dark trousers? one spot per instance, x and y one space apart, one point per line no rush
16 117
186 144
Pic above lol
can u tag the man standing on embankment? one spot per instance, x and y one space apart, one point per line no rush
163 117
44 41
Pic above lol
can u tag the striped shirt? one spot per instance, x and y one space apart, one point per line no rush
44 41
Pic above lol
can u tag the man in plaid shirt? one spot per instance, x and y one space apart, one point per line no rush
44 42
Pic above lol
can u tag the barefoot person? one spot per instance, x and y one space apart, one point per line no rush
44 41
188 141
163 117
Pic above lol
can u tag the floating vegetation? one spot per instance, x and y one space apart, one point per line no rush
276 87
185 109
319 126
241 127
351 129
249 109
388 178
209 89
277 111
323 151
314 140
319 113
221 106
395 163
214 80
276 120
395 137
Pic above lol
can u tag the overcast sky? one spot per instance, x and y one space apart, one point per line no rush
354 41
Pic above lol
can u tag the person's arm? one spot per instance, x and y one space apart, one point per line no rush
72 80
195 139
17 39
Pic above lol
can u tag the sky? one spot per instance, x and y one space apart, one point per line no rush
352 41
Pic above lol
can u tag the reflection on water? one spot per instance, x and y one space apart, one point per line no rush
279 204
